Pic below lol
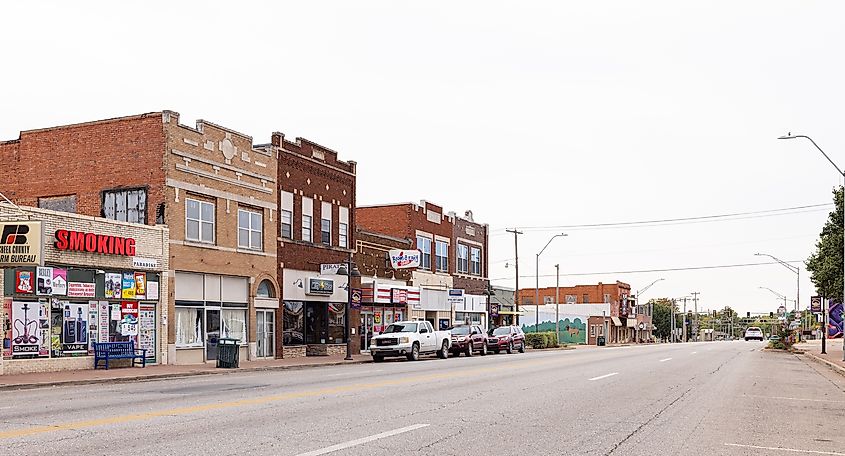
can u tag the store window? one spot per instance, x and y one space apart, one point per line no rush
294 321
125 205
585 299
199 221
250 227
472 318
475 259
463 259
442 255
233 324
189 327
314 323
424 245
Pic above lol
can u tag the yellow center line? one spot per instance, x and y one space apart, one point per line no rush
76 425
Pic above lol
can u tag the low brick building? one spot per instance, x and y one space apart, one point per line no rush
88 280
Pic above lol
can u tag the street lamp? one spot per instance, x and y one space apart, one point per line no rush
792 268
838 170
350 270
650 306
780 296
537 280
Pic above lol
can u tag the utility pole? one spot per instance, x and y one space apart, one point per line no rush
516 234
684 337
672 323
695 326
557 304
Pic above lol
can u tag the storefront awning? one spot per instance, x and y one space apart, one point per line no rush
616 321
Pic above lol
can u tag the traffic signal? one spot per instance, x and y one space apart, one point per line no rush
747 314
771 314
714 314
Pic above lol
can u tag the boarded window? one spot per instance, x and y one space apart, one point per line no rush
125 205
65 203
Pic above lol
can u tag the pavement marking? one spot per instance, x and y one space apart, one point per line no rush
604 376
363 440
347 373
263 400
693 353
791 450
793 398
665 359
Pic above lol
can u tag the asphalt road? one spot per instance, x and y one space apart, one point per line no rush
722 398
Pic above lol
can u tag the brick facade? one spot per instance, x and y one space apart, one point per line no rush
471 234
594 293
371 255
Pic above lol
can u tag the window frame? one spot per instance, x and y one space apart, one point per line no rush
125 191
343 235
475 266
438 256
309 227
463 262
425 256
201 222
289 225
325 235
250 229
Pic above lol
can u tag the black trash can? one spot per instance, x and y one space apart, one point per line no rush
228 352
600 341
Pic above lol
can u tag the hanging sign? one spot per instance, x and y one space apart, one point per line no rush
404 259
20 243
816 304
357 293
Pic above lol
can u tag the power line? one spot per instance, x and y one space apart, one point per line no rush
684 220
640 271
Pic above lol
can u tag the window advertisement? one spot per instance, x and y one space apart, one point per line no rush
104 321
140 285
93 324
44 281
59 282
147 329
129 319
7 327
152 291
128 285
113 286
75 329
29 320
24 282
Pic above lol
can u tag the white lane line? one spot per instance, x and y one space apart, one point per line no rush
693 353
347 373
604 376
793 398
791 450
665 359
363 440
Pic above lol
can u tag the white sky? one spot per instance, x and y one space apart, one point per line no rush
530 114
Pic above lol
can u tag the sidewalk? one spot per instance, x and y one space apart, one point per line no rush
832 358
127 374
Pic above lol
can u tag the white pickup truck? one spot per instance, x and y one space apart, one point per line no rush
410 339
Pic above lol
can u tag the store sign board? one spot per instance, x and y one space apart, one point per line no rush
20 243
404 259
455 297
80 241
357 295
330 268
816 304
398 296
318 286
144 263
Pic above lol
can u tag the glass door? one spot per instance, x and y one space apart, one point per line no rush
212 334
367 328
265 329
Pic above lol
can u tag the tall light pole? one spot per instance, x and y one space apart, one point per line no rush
695 303
838 170
516 234
537 280
650 306
350 270
557 304
794 269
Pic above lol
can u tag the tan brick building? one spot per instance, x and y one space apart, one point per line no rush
213 189
78 293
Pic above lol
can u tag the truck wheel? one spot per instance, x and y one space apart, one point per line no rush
415 352
484 349
443 353
378 358
510 348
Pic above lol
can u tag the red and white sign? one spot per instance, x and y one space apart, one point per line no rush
80 241
404 259
81 290
399 296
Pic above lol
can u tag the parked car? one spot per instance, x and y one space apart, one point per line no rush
507 338
754 333
410 339
468 339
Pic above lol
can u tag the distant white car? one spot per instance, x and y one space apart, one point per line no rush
753 333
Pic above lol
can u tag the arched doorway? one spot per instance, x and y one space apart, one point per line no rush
266 303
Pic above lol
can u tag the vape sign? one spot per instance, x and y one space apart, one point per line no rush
404 259
20 243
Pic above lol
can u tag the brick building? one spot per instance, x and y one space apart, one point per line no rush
316 226
624 322
213 189
453 259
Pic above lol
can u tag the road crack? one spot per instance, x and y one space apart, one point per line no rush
647 422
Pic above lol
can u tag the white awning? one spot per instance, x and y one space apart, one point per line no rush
616 321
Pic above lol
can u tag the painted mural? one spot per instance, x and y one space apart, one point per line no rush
573 328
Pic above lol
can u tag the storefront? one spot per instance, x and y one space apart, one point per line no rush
94 280
314 313
384 302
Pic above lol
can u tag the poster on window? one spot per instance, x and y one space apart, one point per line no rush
23 282
26 329
43 281
75 329
59 282
113 286
140 285
93 324
129 318
152 291
103 324
128 285
377 326
7 326
147 323
44 327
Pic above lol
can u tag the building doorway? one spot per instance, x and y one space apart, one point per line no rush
266 333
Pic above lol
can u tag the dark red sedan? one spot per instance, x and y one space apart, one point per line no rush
507 338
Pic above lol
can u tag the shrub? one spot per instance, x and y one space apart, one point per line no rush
541 340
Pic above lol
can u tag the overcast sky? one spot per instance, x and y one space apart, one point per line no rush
527 113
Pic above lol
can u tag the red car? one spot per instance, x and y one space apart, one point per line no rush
468 339
507 338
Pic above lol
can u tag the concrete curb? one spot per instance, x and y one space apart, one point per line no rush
142 378
837 368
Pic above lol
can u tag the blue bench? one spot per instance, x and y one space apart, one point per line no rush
105 351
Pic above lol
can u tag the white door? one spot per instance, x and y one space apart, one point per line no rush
265 329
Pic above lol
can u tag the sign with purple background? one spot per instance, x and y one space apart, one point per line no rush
834 325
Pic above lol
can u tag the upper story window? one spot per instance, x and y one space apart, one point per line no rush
571 299
326 223
585 299
424 245
286 215
475 260
307 220
343 227
607 298
199 221
463 259
442 254
250 229
58 203
265 289
126 205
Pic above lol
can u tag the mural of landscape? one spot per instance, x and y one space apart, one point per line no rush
573 328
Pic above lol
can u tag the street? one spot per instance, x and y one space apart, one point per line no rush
699 398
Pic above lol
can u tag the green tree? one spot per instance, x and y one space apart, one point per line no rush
662 316
825 264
